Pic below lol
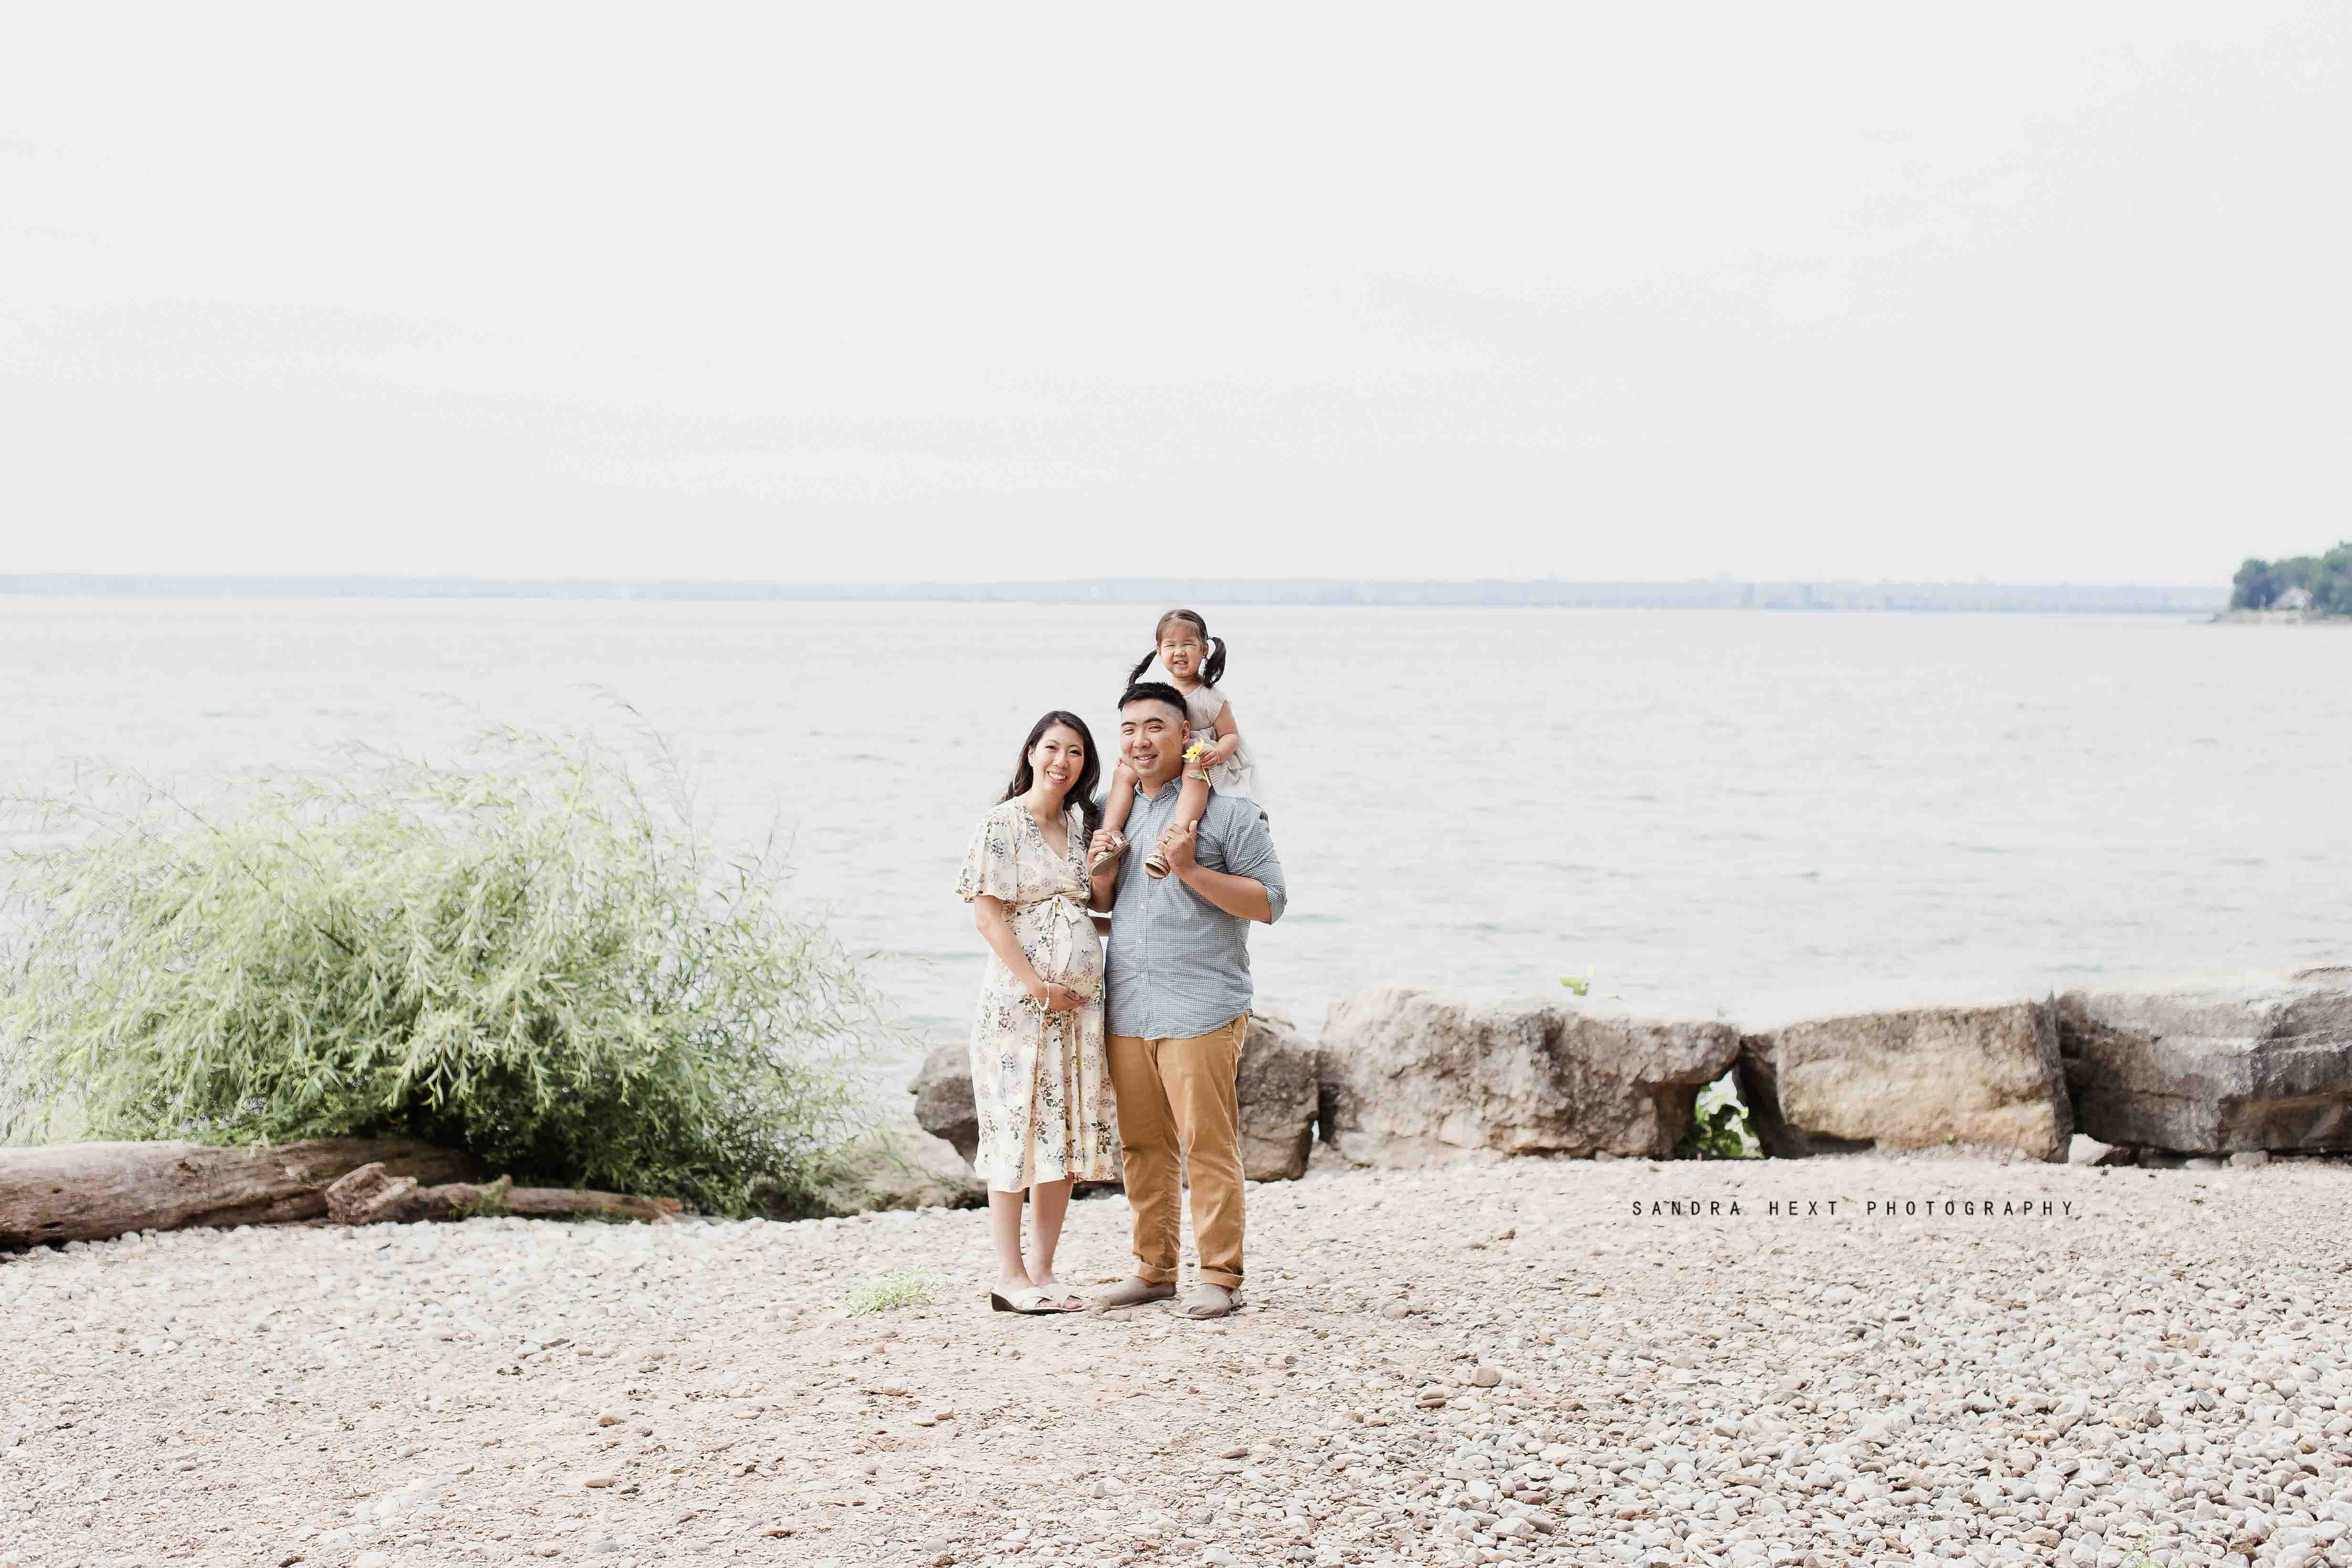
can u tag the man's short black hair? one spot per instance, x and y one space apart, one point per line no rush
1156 692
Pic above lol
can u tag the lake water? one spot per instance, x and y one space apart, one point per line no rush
1751 814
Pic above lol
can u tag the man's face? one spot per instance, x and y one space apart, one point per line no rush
1150 737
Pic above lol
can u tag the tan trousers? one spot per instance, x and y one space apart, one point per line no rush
1177 1109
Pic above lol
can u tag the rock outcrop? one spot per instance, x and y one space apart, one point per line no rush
1409 1079
900 1166
2215 1069
944 1105
1982 1077
1277 1084
1280 1086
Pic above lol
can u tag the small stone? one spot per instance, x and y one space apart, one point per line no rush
2250 1159
609 1419
1235 1454
1486 1377
597 1482
1396 1309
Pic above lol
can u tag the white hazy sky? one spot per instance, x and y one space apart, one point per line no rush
2028 291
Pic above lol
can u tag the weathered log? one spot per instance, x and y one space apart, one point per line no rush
562 1203
89 1192
373 1195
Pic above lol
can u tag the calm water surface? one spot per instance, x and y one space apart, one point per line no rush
1746 812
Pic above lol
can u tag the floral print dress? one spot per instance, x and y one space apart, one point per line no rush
1040 1081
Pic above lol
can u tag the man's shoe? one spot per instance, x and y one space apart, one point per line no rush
1208 1301
1128 1292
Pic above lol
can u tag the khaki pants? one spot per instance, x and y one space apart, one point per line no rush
1177 1111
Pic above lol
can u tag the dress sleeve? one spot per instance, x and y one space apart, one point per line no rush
988 865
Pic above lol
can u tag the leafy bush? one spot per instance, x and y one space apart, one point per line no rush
531 956
1719 1130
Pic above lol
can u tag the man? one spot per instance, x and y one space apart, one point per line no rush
1179 984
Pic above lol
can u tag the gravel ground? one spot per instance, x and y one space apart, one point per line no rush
1519 1361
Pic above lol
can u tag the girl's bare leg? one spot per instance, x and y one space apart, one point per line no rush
1192 805
1116 802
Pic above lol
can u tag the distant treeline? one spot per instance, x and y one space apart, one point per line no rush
2260 585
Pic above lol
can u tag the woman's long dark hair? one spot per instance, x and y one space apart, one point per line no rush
1082 789
1212 671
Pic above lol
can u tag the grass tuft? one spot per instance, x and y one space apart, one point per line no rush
890 1293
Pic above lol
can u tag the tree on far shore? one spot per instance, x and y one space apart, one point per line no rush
2329 579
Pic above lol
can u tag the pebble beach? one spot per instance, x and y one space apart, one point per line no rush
1859 1360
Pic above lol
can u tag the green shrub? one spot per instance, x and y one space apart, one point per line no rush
532 955
1719 1129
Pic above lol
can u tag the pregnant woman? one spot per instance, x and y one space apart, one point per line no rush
1040 1076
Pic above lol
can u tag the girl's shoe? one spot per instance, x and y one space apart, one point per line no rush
1154 866
1111 855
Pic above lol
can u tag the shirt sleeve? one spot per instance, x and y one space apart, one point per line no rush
988 866
1249 852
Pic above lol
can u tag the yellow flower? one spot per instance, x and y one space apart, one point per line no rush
1196 752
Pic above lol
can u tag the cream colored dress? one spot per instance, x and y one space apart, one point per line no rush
1040 1081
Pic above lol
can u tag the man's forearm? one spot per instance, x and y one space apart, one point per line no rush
1241 896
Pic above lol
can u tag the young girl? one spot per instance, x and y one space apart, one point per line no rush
1215 753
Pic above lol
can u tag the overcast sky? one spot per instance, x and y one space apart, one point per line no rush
2031 292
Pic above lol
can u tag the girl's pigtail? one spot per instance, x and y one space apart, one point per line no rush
1141 664
1214 670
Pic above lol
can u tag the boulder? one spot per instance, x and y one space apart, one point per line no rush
898 1165
944 1105
1409 1079
1277 1084
1279 1087
1981 1076
2217 1067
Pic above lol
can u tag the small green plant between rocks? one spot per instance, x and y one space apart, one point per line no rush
891 1292
1719 1128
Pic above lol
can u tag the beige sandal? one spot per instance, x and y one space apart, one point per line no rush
1029 1302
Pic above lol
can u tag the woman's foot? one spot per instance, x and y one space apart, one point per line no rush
1021 1296
1063 1298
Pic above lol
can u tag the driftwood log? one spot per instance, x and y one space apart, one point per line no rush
89 1192
373 1195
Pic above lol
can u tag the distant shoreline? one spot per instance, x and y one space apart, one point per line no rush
1491 593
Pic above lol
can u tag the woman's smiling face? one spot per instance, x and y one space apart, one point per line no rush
1058 757
1182 649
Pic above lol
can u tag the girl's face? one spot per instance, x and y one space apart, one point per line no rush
1058 757
1181 650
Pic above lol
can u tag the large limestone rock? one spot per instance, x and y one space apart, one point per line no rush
943 1107
1411 1079
1275 1083
900 1166
2217 1067
1279 1087
1980 1076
